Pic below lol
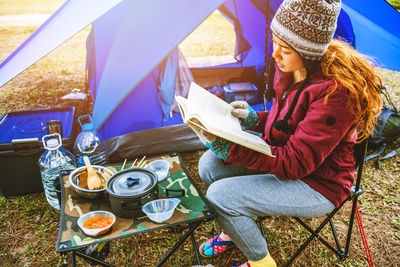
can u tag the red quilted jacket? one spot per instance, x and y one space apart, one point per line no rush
320 144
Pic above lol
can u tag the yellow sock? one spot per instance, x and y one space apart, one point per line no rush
268 261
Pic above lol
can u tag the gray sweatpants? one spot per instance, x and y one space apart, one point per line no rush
245 194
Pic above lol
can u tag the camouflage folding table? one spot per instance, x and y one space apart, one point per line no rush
192 211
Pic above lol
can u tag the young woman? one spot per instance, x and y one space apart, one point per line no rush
326 98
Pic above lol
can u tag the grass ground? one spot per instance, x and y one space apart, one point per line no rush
28 227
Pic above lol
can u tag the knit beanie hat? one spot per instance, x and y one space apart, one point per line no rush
307 25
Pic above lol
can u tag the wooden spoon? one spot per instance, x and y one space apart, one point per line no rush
104 177
82 178
93 180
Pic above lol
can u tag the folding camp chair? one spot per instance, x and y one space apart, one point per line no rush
356 191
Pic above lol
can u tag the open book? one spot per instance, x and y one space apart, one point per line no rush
206 111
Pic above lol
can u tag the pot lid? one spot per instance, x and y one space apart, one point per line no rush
131 182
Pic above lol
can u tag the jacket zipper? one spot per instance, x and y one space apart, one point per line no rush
287 91
284 95
282 101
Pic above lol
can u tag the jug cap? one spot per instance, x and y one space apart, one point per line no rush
52 141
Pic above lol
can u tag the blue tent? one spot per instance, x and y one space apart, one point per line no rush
133 64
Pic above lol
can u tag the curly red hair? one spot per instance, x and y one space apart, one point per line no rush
344 65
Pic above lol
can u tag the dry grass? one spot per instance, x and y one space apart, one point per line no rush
215 37
28 228
17 7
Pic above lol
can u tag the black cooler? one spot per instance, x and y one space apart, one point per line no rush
21 133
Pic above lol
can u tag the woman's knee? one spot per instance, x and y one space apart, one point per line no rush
206 165
221 198
214 195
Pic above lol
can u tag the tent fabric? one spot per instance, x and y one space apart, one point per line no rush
184 78
242 45
174 79
144 36
344 29
250 25
150 104
71 17
376 30
166 84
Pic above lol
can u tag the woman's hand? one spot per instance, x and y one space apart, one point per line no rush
247 115
219 146
203 135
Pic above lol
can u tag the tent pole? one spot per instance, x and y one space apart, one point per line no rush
266 60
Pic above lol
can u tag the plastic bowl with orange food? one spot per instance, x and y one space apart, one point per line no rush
96 223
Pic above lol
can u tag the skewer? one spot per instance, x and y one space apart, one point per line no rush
140 162
133 163
143 164
123 165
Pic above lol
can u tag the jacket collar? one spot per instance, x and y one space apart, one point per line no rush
287 77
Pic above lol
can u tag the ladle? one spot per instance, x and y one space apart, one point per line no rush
93 180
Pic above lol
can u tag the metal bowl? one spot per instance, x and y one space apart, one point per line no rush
76 174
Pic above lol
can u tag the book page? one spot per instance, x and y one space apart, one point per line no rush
182 105
210 113
215 113
246 139
188 118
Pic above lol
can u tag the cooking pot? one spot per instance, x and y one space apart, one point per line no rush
130 189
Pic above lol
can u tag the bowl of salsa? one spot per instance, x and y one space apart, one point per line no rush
96 223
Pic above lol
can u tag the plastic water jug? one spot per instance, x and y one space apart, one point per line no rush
89 143
51 162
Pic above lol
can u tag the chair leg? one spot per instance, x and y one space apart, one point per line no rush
196 251
342 253
353 212
192 227
335 235
313 235
261 226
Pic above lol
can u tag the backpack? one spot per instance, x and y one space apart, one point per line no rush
386 130
387 127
